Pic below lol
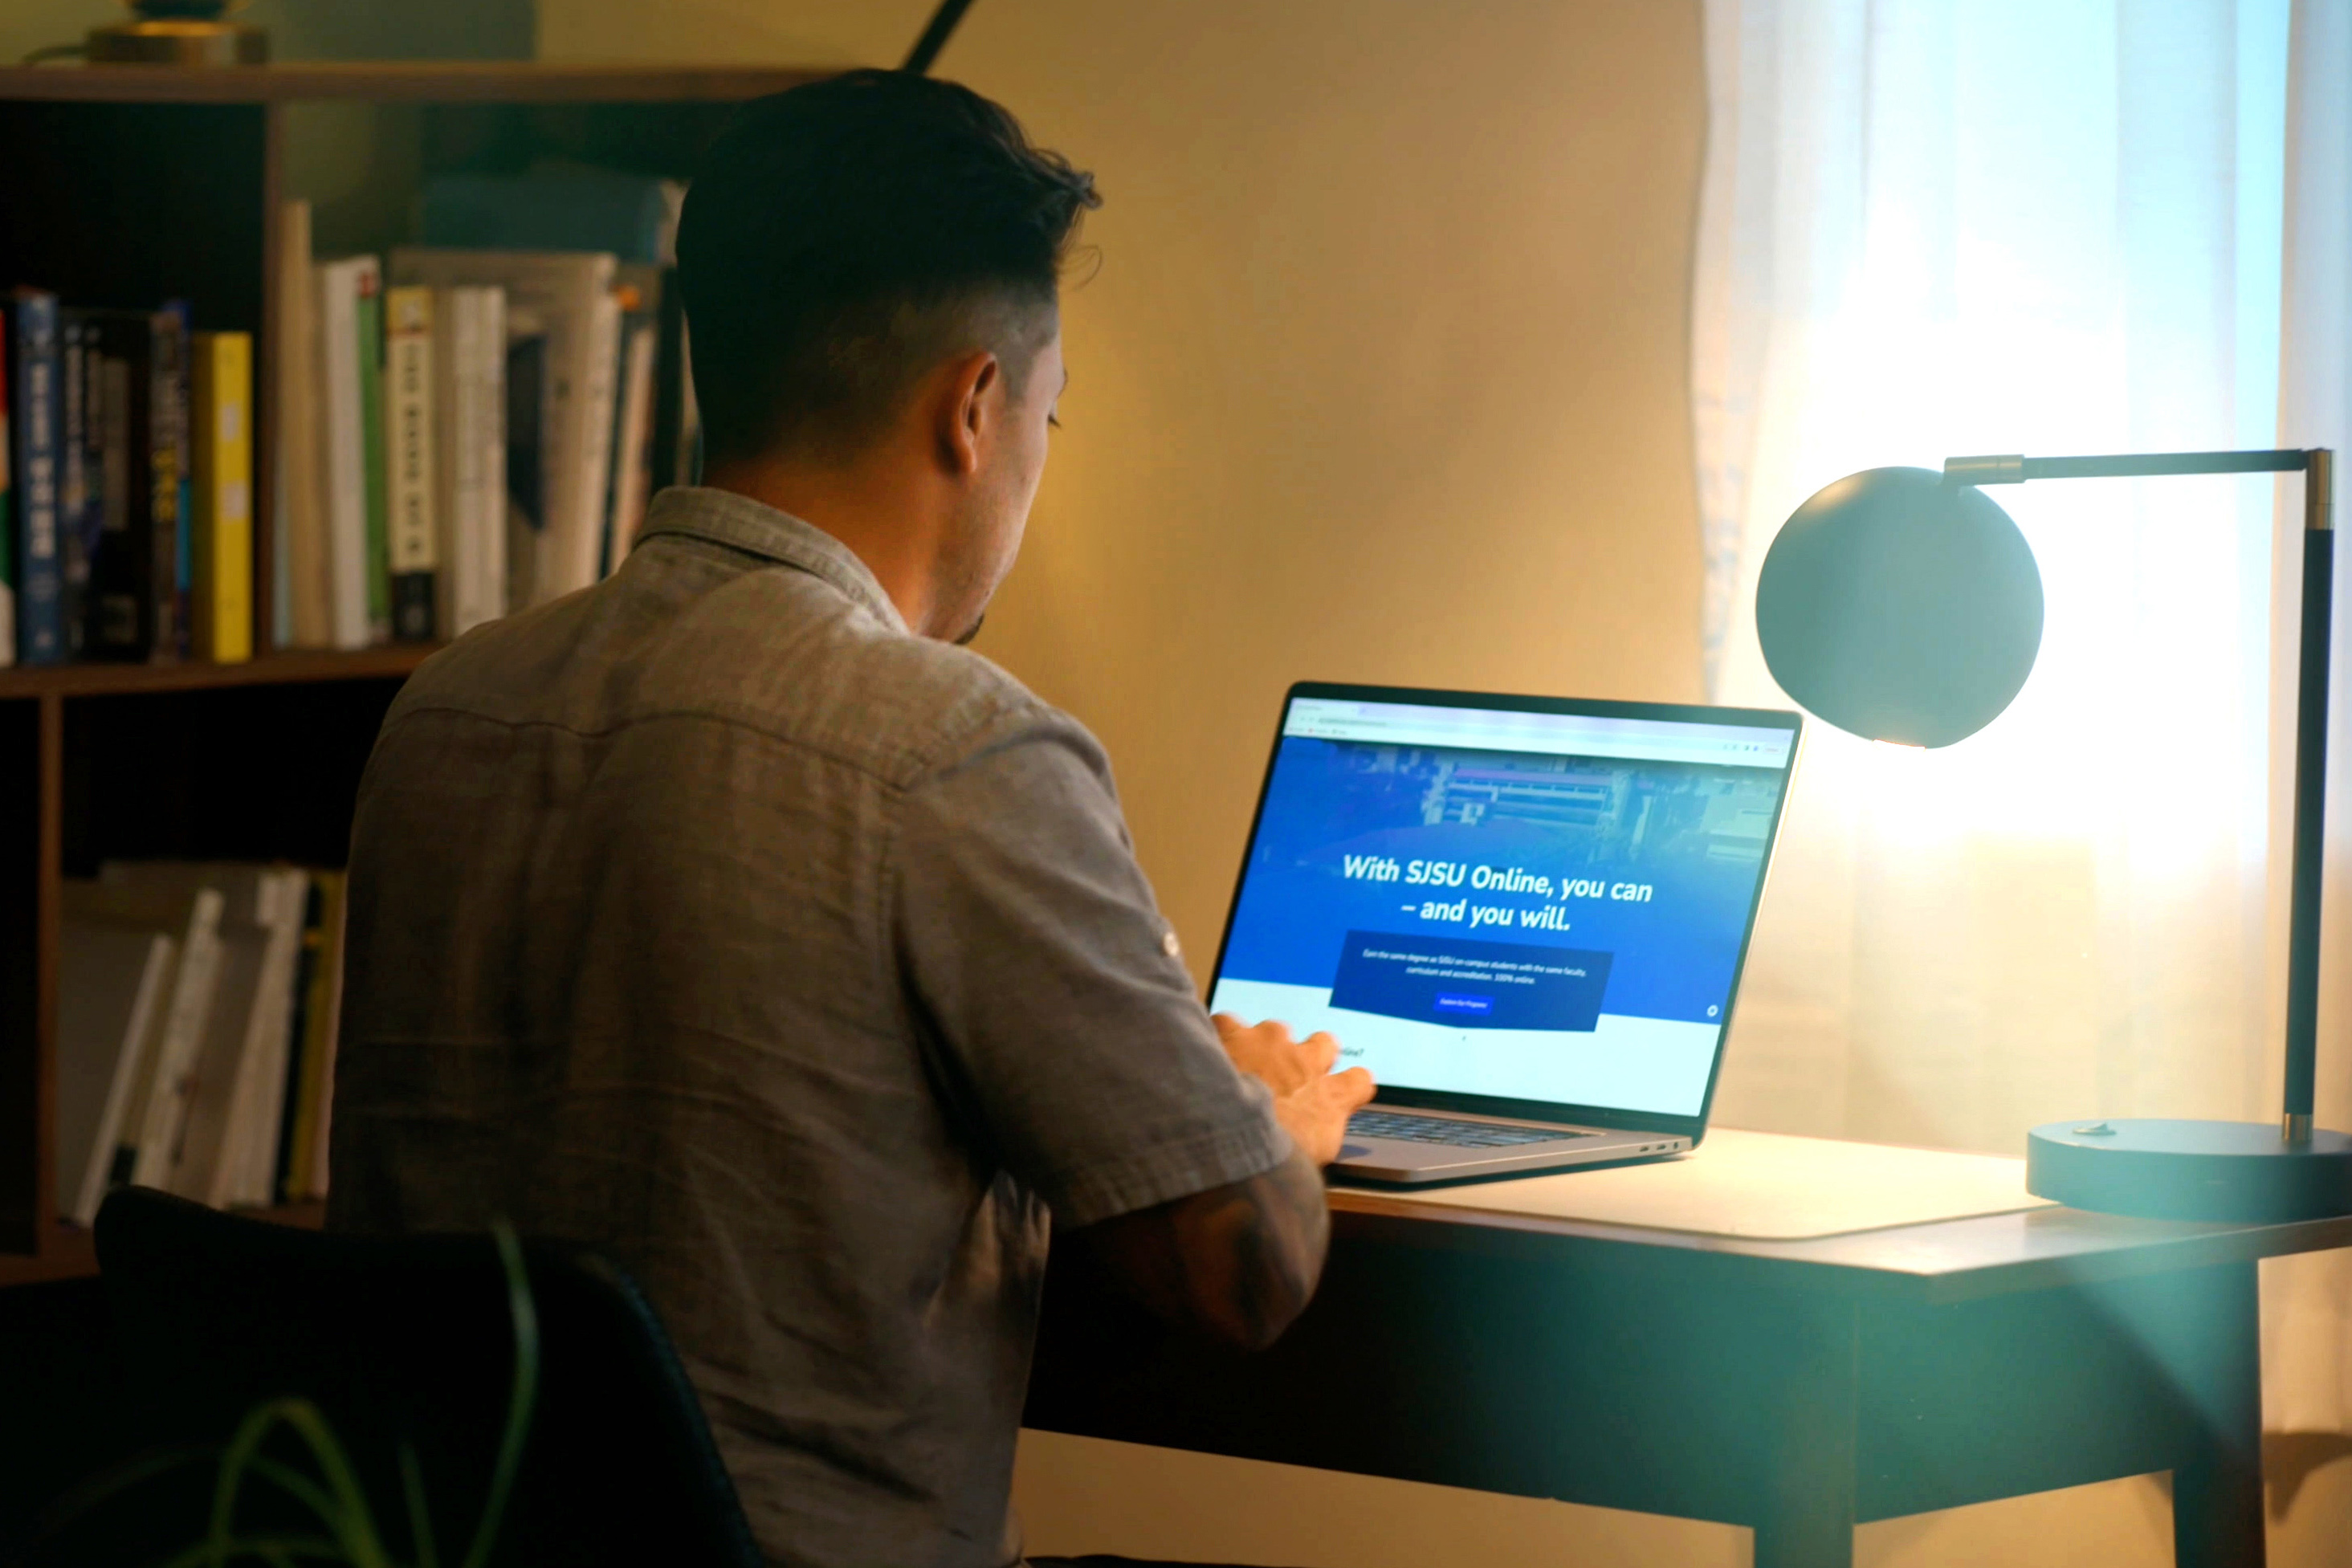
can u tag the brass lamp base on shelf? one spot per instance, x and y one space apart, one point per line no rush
178 41
2241 1171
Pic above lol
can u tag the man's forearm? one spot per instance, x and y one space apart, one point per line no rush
1237 1262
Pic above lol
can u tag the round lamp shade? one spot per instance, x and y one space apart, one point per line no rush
1900 607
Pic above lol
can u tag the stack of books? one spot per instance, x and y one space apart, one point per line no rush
197 1013
462 430
126 518
466 430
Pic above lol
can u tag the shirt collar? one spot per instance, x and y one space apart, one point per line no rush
739 522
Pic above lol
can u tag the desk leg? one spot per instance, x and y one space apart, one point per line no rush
2216 1498
1806 1517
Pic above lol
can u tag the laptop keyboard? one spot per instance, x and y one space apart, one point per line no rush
1414 1129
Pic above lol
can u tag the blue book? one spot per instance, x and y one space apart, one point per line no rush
36 427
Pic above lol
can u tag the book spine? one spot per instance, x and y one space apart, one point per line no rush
345 451
307 1164
414 547
633 453
78 498
222 597
8 499
369 311
301 599
167 477
120 617
493 596
183 1039
669 386
590 484
283 1190
113 1152
461 316
39 579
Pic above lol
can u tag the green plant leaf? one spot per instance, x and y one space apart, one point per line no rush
524 1310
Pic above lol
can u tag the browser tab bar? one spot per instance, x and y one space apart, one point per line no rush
1566 735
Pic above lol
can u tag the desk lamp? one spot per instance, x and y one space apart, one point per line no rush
1904 605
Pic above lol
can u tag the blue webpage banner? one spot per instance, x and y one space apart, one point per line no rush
1470 985
1654 863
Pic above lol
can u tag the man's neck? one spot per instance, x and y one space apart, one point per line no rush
885 516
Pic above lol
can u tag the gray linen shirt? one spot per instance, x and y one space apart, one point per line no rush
800 965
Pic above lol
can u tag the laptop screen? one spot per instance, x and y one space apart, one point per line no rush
1509 903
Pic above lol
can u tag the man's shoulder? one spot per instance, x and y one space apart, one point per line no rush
790 658
775 652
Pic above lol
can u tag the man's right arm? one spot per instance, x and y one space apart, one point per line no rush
1236 1263
1071 1036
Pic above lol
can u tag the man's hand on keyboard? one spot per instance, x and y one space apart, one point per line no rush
1310 1101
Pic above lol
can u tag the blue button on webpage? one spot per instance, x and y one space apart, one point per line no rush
1475 1006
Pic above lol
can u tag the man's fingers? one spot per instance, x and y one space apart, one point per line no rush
1354 1086
1321 1050
1227 1025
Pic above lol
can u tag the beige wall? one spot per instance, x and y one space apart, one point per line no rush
1382 377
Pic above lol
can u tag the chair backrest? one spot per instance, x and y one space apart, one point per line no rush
410 1340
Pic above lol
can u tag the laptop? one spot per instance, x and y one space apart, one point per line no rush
1526 916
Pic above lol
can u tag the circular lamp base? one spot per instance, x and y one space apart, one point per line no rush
2241 1171
178 41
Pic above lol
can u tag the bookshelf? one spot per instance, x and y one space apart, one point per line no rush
126 184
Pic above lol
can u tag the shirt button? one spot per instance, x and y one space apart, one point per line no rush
1170 945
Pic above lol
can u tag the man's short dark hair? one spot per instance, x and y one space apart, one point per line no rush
845 237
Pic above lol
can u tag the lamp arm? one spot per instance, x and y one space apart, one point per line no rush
2017 470
2318 467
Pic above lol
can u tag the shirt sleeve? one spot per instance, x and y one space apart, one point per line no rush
1051 984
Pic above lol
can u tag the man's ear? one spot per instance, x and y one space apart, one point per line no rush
967 415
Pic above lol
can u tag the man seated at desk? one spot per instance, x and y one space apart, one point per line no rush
729 917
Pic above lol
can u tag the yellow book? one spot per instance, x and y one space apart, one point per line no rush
221 431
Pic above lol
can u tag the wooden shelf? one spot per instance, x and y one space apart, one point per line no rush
436 81
274 669
72 1254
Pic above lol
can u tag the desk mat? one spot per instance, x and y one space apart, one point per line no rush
1762 1186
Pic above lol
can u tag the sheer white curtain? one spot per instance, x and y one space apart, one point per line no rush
1932 227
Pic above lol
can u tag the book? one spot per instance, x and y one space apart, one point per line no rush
119 352
168 475
525 378
301 608
344 446
8 501
330 1034
675 420
221 613
628 474
565 297
111 984
413 545
304 1158
307 959
239 1037
470 435
32 583
633 428
249 1158
79 504
8 506
166 898
369 310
